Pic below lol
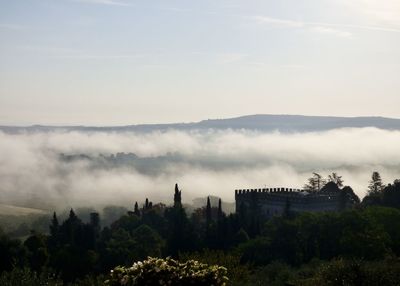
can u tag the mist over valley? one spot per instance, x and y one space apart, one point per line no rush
61 167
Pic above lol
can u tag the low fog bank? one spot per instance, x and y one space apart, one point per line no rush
74 169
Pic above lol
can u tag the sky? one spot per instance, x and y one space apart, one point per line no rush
118 62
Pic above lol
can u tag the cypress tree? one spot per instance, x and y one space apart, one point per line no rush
72 215
177 197
136 210
219 209
54 227
208 211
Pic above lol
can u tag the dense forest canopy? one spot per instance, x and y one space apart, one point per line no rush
75 251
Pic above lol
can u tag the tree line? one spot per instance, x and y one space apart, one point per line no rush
74 251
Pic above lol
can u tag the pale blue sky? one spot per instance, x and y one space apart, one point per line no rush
113 62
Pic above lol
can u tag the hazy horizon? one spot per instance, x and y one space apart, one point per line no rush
204 119
118 62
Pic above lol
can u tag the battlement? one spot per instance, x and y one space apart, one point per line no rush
267 190
274 200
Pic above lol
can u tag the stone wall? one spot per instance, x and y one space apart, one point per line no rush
273 201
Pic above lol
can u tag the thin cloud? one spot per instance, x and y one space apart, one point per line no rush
76 54
331 31
228 58
387 11
175 9
105 2
320 26
279 22
101 56
362 27
13 27
294 66
49 49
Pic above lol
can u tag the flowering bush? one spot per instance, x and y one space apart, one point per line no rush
156 271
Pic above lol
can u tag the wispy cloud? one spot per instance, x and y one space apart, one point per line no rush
279 22
13 27
175 9
293 66
361 27
48 49
321 27
228 58
332 31
76 54
387 11
105 2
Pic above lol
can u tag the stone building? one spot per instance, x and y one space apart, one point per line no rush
275 201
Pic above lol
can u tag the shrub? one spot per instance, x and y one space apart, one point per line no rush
155 271
26 277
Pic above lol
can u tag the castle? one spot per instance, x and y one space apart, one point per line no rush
275 201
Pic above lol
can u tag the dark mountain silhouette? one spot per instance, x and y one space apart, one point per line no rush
261 122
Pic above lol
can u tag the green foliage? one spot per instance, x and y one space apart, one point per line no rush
274 274
149 243
240 237
12 252
37 251
340 272
375 185
315 183
389 220
335 178
180 236
26 277
379 195
256 252
127 223
238 273
90 280
154 271
119 249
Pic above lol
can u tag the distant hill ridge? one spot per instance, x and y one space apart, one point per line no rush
261 122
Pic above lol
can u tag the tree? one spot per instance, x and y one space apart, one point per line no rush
177 196
240 237
180 236
375 186
37 251
220 213
208 212
54 225
334 177
315 183
148 242
136 210
391 195
13 254
119 249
